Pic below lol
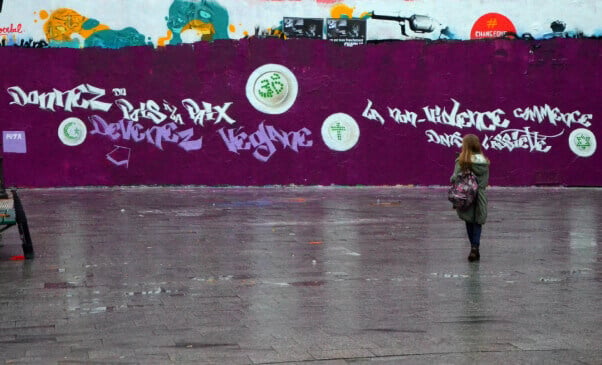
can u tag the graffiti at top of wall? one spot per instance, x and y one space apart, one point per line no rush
176 22
187 22
67 28
190 21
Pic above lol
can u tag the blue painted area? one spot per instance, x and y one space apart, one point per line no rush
116 39
90 24
75 43
182 12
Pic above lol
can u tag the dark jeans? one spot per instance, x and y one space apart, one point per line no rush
474 233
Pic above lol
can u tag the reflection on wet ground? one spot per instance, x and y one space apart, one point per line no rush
328 275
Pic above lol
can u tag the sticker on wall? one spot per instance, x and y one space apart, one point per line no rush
492 25
582 142
272 89
13 142
72 131
340 132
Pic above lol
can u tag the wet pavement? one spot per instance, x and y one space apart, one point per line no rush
318 275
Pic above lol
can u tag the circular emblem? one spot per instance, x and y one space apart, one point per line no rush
582 142
272 89
492 25
340 132
72 131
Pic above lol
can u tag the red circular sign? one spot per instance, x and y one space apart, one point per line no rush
492 25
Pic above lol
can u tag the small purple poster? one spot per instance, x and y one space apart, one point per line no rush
14 142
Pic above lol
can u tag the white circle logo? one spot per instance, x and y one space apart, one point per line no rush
72 131
582 142
272 89
340 132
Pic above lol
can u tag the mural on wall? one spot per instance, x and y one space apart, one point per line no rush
117 24
296 122
214 92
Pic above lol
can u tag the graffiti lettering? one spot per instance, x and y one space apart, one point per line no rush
173 110
17 136
483 121
208 112
444 139
404 117
372 114
149 110
553 115
130 130
11 28
262 141
512 139
119 92
67 100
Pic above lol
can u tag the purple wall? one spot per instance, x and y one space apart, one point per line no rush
489 80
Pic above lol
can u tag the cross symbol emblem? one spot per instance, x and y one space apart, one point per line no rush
339 129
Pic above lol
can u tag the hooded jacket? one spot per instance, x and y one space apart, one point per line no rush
477 212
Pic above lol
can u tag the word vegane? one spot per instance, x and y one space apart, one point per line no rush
262 141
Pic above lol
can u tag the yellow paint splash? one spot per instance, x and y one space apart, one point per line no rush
205 30
341 11
163 40
64 22
232 28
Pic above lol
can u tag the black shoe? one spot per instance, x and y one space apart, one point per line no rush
474 254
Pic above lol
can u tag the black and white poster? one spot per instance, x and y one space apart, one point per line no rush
349 32
303 27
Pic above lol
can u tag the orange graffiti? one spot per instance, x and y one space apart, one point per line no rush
43 14
163 40
365 15
205 30
232 28
63 23
341 11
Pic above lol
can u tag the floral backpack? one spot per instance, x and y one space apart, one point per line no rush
463 192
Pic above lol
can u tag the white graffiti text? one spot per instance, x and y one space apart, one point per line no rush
74 98
553 115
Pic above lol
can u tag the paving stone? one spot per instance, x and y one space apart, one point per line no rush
321 275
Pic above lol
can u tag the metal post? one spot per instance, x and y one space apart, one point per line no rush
3 194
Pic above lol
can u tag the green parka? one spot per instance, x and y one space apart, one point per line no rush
477 212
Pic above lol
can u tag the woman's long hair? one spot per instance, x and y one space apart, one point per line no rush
470 147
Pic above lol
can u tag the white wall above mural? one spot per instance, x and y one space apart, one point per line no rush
121 23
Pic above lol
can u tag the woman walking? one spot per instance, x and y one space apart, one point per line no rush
472 158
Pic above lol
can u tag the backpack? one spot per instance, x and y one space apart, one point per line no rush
463 192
